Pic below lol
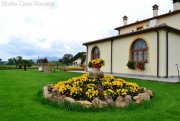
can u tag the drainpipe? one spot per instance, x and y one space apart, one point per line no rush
111 54
157 53
167 53
178 71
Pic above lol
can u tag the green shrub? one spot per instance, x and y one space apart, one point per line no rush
90 65
131 65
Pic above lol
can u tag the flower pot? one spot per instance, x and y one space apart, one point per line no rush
96 66
140 66
96 73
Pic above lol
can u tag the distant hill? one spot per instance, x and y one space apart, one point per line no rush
53 58
3 62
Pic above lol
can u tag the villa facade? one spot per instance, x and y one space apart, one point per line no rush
154 41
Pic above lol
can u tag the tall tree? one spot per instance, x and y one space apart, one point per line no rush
67 59
60 60
79 55
18 61
0 61
26 63
10 62
83 59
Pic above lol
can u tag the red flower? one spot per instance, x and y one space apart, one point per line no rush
97 65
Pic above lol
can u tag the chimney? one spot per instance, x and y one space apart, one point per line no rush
176 5
125 19
155 10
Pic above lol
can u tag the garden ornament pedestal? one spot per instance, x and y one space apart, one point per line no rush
95 73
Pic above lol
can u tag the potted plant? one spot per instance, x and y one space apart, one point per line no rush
131 65
96 63
136 65
140 66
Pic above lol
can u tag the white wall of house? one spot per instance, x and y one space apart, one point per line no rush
105 53
134 27
173 50
121 54
121 51
170 21
77 62
174 53
162 53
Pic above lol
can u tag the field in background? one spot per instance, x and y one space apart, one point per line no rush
6 67
67 68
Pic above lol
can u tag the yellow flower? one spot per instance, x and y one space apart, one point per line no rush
90 85
111 85
117 83
91 93
124 92
98 61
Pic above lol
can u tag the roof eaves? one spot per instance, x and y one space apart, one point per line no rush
100 40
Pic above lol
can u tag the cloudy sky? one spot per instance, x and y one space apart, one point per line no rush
32 28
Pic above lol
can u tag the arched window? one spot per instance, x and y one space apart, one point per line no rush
139 51
95 53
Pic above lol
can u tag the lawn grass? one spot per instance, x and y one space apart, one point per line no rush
20 101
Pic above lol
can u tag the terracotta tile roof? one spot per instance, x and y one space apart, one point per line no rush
162 26
156 17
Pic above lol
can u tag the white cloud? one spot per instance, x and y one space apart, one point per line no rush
31 31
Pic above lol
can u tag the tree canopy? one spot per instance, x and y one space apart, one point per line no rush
20 62
67 59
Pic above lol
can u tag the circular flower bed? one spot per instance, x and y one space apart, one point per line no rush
99 92
87 89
